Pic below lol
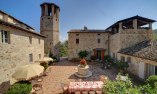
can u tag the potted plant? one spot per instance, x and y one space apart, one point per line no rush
83 62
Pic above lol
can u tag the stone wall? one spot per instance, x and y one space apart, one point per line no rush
16 53
127 38
87 41
114 44
130 37
49 27
134 65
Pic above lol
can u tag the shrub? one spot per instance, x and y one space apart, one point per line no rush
93 57
117 87
20 88
45 65
147 89
135 90
151 80
126 87
55 59
50 54
83 54
122 65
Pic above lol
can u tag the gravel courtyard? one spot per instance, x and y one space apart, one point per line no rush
63 73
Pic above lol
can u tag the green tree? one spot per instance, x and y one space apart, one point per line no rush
63 48
83 54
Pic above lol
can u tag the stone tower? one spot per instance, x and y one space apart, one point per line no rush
49 27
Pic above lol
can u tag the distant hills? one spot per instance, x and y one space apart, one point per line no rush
155 30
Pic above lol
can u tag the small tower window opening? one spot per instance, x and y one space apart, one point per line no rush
77 34
77 41
98 40
30 39
49 11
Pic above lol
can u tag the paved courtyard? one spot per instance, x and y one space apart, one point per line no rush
63 73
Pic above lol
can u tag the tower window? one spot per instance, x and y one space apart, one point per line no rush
122 58
30 39
39 56
31 58
39 40
77 34
5 36
77 41
98 40
129 59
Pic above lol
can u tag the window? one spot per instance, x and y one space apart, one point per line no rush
98 40
122 58
77 34
114 56
30 58
98 34
30 39
129 59
39 56
39 40
5 36
77 41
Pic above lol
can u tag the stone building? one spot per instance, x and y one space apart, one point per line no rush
19 45
115 40
49 27
132 36
142 58
93 41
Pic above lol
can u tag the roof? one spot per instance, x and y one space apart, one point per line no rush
132 18
47 3
18 27
16 19
145 50
86 31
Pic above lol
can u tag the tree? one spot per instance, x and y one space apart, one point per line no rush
83 54
63 48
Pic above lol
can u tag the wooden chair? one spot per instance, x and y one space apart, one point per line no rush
77 92
92 92
64 88
99 92
84 92
37 87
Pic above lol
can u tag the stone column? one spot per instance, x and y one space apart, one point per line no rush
57 13
46 10
52 10
150 25
120 27
135 23
42 11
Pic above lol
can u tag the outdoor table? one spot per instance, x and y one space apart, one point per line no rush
85 86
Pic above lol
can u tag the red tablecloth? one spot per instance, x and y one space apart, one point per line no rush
85 86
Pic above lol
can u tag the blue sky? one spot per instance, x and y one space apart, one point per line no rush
75 14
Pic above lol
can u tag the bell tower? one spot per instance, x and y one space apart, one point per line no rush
49 27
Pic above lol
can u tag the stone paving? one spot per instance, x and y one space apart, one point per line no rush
63 73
